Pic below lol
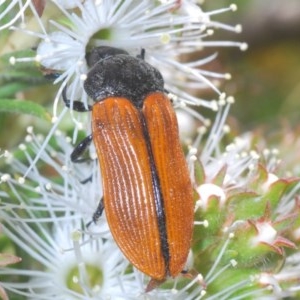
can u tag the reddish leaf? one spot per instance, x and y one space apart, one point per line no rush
7 259
39 6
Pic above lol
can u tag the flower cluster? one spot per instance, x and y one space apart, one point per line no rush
246 205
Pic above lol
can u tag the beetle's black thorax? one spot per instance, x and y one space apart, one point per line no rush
123 76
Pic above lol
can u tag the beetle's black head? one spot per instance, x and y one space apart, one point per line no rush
102 52
115 73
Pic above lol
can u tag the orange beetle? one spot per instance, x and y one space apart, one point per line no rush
148 196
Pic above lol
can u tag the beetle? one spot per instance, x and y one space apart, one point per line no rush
147 191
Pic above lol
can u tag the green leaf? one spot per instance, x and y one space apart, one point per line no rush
246 205
28 74
199 173
11 88
220 176
24 107
275 192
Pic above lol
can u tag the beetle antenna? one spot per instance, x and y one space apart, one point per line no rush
77 105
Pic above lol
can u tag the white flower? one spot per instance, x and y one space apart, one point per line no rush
166 30
71 269
237 157
44 215
207 190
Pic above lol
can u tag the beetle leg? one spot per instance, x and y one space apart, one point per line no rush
154 283
90 178
77 105
193 274
142 54
80 148
98 213
189 273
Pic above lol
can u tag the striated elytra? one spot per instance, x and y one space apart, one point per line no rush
147 192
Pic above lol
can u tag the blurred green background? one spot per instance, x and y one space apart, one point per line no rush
265 78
